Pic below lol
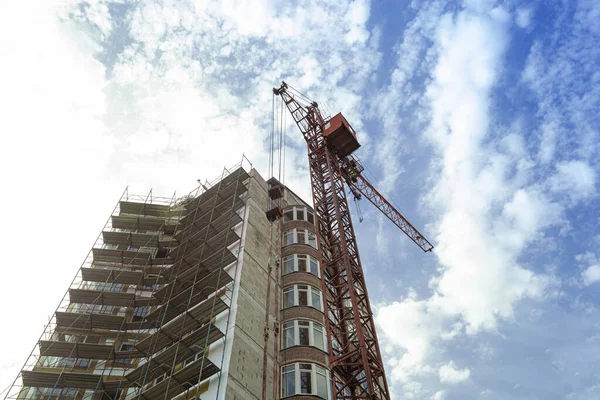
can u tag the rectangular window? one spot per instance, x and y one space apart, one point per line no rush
83 363
302 295
319 340
139 313
306 378
303 333
310 218
288 335
288 297
302 264
300 214
314 266
301 237
288 216
321 375
288 384
288 238
312 240
288 264
316 299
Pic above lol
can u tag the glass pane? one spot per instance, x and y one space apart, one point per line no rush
321 383
288 264
318 337
310 218
303 297
305 382
288 297
288 332
301 237
312 239
300 214
302 264
316 300
289 382
314 267
304 336
288 216
288 238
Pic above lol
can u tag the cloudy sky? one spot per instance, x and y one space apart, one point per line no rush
479 118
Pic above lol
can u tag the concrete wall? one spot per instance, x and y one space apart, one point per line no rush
245 377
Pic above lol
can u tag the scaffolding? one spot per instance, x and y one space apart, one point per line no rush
149 301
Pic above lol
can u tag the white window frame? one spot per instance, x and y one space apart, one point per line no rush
311 290
307 233
313 378
312 334
295 210
296 264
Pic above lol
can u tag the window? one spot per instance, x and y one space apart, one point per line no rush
316 299
314 266
289 380
288 238
126 347
321 383
288 264
301 263
312 240
305 378
299 213
139 313
300 236
304 333
302 295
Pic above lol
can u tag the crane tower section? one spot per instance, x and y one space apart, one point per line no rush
355 358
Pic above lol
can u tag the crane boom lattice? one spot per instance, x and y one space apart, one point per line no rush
355 359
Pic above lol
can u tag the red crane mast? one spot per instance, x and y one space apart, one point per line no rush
355 359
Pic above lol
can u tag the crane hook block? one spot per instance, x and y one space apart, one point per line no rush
340 135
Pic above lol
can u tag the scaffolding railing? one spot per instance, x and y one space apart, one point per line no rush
52 331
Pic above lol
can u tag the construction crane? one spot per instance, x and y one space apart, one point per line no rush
354 356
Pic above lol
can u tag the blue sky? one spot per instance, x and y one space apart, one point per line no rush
480 119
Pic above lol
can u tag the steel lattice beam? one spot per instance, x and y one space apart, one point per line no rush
354 355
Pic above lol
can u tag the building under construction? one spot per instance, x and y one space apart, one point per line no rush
239 290
196 297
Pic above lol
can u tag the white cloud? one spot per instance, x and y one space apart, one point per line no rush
189 94
524 17
54 157
591 275
439 395
449 373
491 207
576 179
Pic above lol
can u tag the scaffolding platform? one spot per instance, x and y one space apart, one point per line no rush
183 324
181 381
84 350
61 380
98 297
162 362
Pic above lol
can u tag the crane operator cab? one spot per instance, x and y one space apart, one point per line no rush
340 136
